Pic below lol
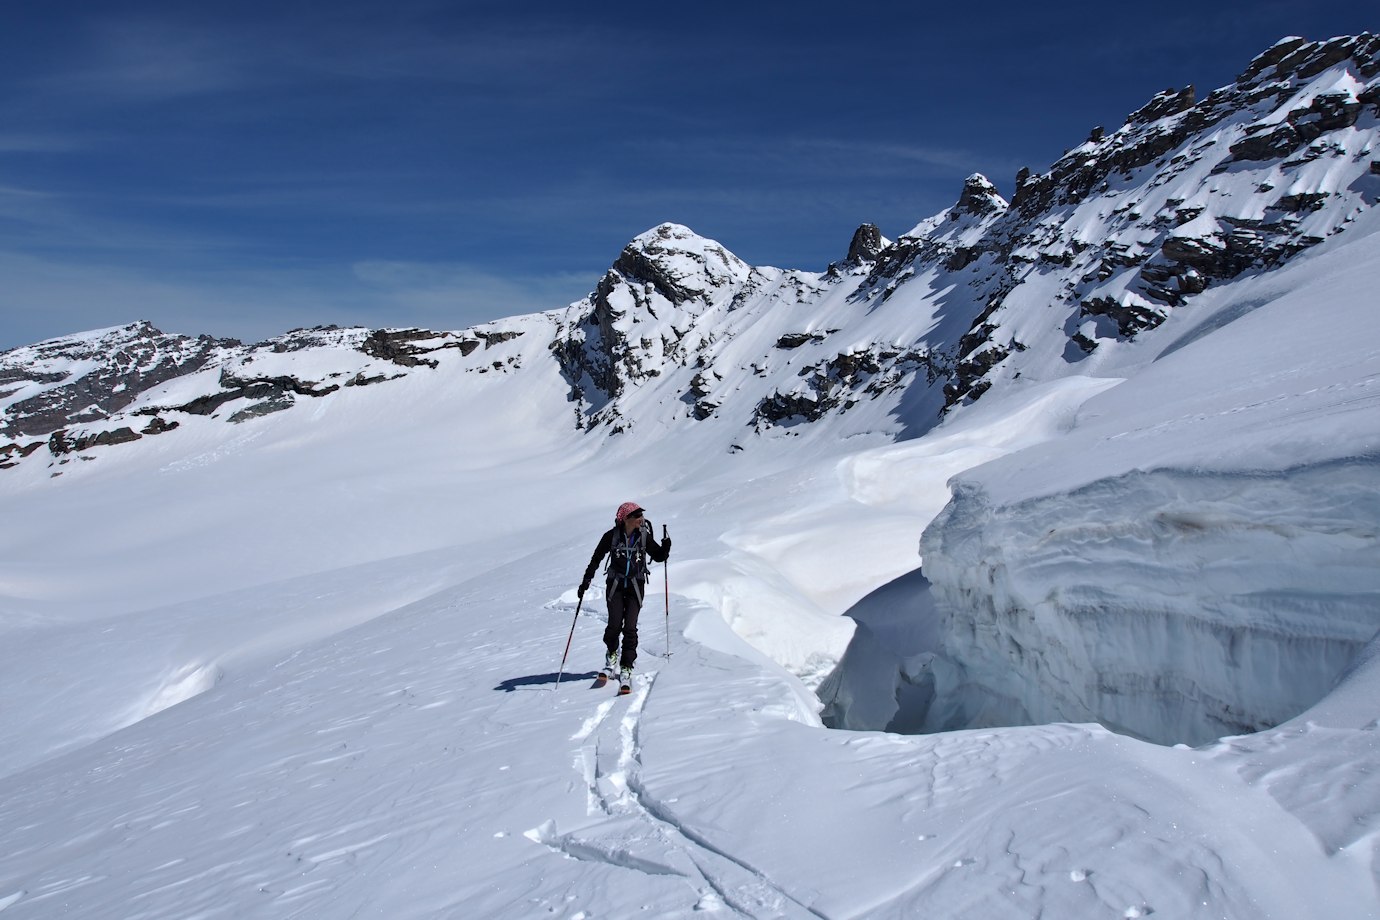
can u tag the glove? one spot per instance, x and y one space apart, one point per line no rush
666 545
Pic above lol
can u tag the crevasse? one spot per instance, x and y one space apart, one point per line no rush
1173 605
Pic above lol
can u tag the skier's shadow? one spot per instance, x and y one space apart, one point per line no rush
535 680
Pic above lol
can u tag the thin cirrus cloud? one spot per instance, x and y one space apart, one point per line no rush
46 297
144 62
147 61
420 162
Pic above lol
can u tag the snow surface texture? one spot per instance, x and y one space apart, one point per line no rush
305 664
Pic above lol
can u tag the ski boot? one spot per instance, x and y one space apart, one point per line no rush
610 668
625 682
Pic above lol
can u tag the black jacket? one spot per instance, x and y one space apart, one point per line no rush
645 542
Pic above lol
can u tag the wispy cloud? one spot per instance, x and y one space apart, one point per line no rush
39 142
436 293
47 297
145 60
36 220
148 59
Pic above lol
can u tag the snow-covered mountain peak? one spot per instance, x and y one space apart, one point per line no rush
1087 257
938 237
678 264
867 242
1297 58
979 197
1186 195
90 376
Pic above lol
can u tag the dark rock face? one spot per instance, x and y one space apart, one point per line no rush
700 396
1129 318
589 356
127 362
1325 113
1164 105
410 347
158 426
636 320
792 340
398 346
659 261
276 391
81 381
60 443
839 383
979 197
1128 288
867 242
11 453
65 442
260 409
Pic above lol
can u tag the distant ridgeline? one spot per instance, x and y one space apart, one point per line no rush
1128 226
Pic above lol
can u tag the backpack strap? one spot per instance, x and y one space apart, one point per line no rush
627 562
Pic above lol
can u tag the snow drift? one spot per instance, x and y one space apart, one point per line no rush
281 622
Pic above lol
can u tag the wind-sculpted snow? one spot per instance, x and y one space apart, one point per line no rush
1174 606
298 656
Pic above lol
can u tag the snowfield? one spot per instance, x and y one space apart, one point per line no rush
309 671
1101 644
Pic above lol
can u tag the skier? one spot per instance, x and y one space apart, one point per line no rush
627 544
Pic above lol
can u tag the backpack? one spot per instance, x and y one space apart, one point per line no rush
628 562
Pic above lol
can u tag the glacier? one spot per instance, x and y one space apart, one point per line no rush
1001 588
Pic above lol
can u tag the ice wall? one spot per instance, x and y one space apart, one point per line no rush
1177 606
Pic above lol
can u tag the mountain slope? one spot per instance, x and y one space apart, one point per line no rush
1124 229
295 657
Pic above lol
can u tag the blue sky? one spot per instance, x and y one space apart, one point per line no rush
243 168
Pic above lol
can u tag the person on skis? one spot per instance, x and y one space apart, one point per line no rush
627 545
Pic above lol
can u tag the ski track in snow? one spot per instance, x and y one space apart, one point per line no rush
633 832
415 766
380 734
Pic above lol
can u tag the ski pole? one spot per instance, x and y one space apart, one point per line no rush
567 645
666 574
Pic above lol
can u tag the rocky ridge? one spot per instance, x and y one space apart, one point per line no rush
1186 194
118 385
1084 259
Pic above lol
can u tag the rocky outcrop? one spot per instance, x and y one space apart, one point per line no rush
867 242
399 346
74 392
418 347
979 198
792 340
276 392
638 316
840 382
1185 195
83 379
71 442
12 453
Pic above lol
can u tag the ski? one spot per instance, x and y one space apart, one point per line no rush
600 680
624 690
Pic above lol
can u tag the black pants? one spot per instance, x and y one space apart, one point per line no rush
624 606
